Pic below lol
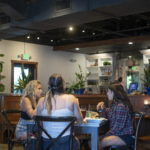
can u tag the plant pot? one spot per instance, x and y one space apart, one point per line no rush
148 90
79 91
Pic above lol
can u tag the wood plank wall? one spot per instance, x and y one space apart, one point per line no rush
13 102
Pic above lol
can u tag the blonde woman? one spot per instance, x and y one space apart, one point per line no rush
57 103
28 105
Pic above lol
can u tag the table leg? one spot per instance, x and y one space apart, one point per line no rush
94 139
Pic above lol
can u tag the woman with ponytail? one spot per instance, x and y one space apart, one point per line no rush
57 103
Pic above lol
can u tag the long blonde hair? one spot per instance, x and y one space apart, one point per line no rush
30 92
56 86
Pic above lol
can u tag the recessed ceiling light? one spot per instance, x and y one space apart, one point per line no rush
93 33
38 38
83 31
130 43
77 48
71 28
52 40
28 37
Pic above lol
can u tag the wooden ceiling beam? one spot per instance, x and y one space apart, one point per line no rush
102 43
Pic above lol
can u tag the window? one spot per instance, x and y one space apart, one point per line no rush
29 67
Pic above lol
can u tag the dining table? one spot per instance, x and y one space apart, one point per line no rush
92 127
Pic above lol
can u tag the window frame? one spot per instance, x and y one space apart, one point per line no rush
21 62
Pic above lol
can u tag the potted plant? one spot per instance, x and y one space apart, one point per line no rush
2 87
147 78
22 81
79 86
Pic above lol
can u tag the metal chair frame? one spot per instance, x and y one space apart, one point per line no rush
11 129
69 119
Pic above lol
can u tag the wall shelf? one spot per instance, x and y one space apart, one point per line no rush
101 68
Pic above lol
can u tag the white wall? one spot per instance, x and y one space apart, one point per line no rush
49 61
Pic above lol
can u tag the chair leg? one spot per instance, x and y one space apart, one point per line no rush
10 145
84 143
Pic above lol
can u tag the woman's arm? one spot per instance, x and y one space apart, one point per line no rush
27 107
101 107
77 111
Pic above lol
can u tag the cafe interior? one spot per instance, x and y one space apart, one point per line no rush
102 41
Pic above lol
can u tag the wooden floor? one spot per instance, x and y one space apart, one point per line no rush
5 147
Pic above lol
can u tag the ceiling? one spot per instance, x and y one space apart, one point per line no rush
108 26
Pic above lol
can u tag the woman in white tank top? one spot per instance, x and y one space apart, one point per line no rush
57 103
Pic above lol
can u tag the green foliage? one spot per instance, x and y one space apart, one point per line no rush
23 80
147 76
2 55
105 63
80 81
2 87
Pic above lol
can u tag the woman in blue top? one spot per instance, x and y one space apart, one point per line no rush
120 116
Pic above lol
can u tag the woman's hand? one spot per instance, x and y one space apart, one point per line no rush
100 105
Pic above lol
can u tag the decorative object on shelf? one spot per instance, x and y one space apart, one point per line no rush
106 63
2 86
95 63
22 81
147 78
79 86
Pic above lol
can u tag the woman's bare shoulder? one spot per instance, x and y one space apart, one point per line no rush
25 100
72 98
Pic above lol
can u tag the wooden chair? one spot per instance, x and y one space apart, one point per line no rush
144 137
53 141
11 126
138 117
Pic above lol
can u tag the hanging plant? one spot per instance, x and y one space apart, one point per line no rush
2 86
147 76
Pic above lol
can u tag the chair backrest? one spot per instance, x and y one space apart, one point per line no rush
69 119
9 115
138 117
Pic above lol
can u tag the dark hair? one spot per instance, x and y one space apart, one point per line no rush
120 96
120 79
56 84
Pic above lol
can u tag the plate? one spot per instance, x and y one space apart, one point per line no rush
94 120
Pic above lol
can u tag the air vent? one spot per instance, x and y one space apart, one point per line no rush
62 4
